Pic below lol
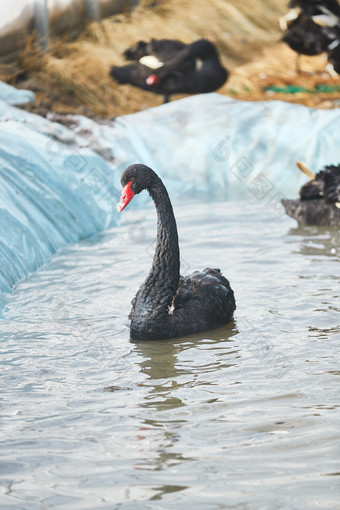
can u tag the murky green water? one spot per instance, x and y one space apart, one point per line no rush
243 417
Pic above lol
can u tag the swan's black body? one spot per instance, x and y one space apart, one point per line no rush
318 199
333 52
184 68
168 305
309 33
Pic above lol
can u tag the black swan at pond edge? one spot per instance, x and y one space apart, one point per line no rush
169 67
333 52
168 305
319 202
311 26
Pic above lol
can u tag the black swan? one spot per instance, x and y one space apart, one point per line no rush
169 67
168 305
333 52
311 26
319 202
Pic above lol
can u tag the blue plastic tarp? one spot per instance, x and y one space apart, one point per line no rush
15 96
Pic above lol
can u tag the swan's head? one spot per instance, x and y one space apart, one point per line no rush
134 179
136 52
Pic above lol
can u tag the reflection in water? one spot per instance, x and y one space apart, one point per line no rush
323 333
174 367
317 241
161 360
168 435
167 489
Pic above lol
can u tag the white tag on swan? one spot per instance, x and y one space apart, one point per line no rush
291 15
327 19
333 45
151 62
198 64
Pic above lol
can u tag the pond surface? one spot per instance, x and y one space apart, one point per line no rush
243 417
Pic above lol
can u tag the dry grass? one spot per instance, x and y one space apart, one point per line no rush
276 68
74 76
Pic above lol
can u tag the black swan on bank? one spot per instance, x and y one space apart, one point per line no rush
169 67
319 202
168 305
311 26
333 52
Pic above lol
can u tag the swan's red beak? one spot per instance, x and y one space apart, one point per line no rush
152 79
126 196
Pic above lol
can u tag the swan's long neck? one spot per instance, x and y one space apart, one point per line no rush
165 265
155 296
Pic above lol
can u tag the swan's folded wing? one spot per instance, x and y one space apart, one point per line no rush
205 299
332 184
